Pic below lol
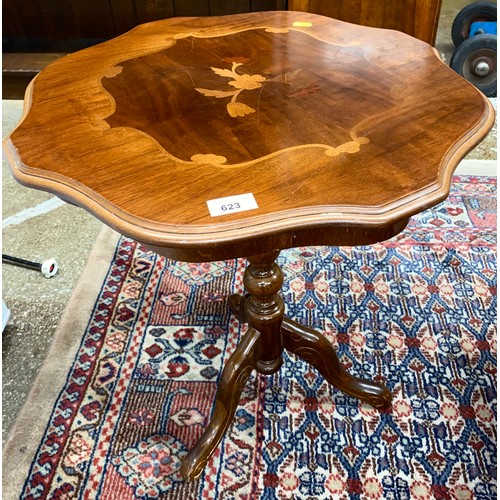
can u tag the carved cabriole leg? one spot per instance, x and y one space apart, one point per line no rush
315 348
237 306
234 377
261 348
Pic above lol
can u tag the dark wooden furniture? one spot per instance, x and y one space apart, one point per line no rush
418 18
336 134
19 69
60 25
35 32
66 26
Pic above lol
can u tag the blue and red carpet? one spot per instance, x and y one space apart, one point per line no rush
417 312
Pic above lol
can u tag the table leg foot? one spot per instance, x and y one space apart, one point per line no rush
234 377
315 348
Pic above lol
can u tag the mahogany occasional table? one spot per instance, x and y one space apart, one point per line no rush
239 136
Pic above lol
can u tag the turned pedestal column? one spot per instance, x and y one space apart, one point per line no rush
215 138
261 348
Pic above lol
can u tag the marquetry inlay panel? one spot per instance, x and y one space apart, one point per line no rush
227 94
307 128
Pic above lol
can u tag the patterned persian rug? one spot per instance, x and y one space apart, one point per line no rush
417 312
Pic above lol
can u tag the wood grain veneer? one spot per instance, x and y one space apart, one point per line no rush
341 132
418 18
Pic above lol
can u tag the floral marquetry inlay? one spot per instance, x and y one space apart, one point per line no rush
339 132
226 97
241 82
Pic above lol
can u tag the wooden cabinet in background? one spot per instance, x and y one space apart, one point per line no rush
418 18
35 32
67 25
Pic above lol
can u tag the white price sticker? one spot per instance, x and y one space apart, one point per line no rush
232 204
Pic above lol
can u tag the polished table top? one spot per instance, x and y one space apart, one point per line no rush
335 133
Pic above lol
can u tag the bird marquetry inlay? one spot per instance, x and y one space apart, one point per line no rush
227 97
325 132
240 82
